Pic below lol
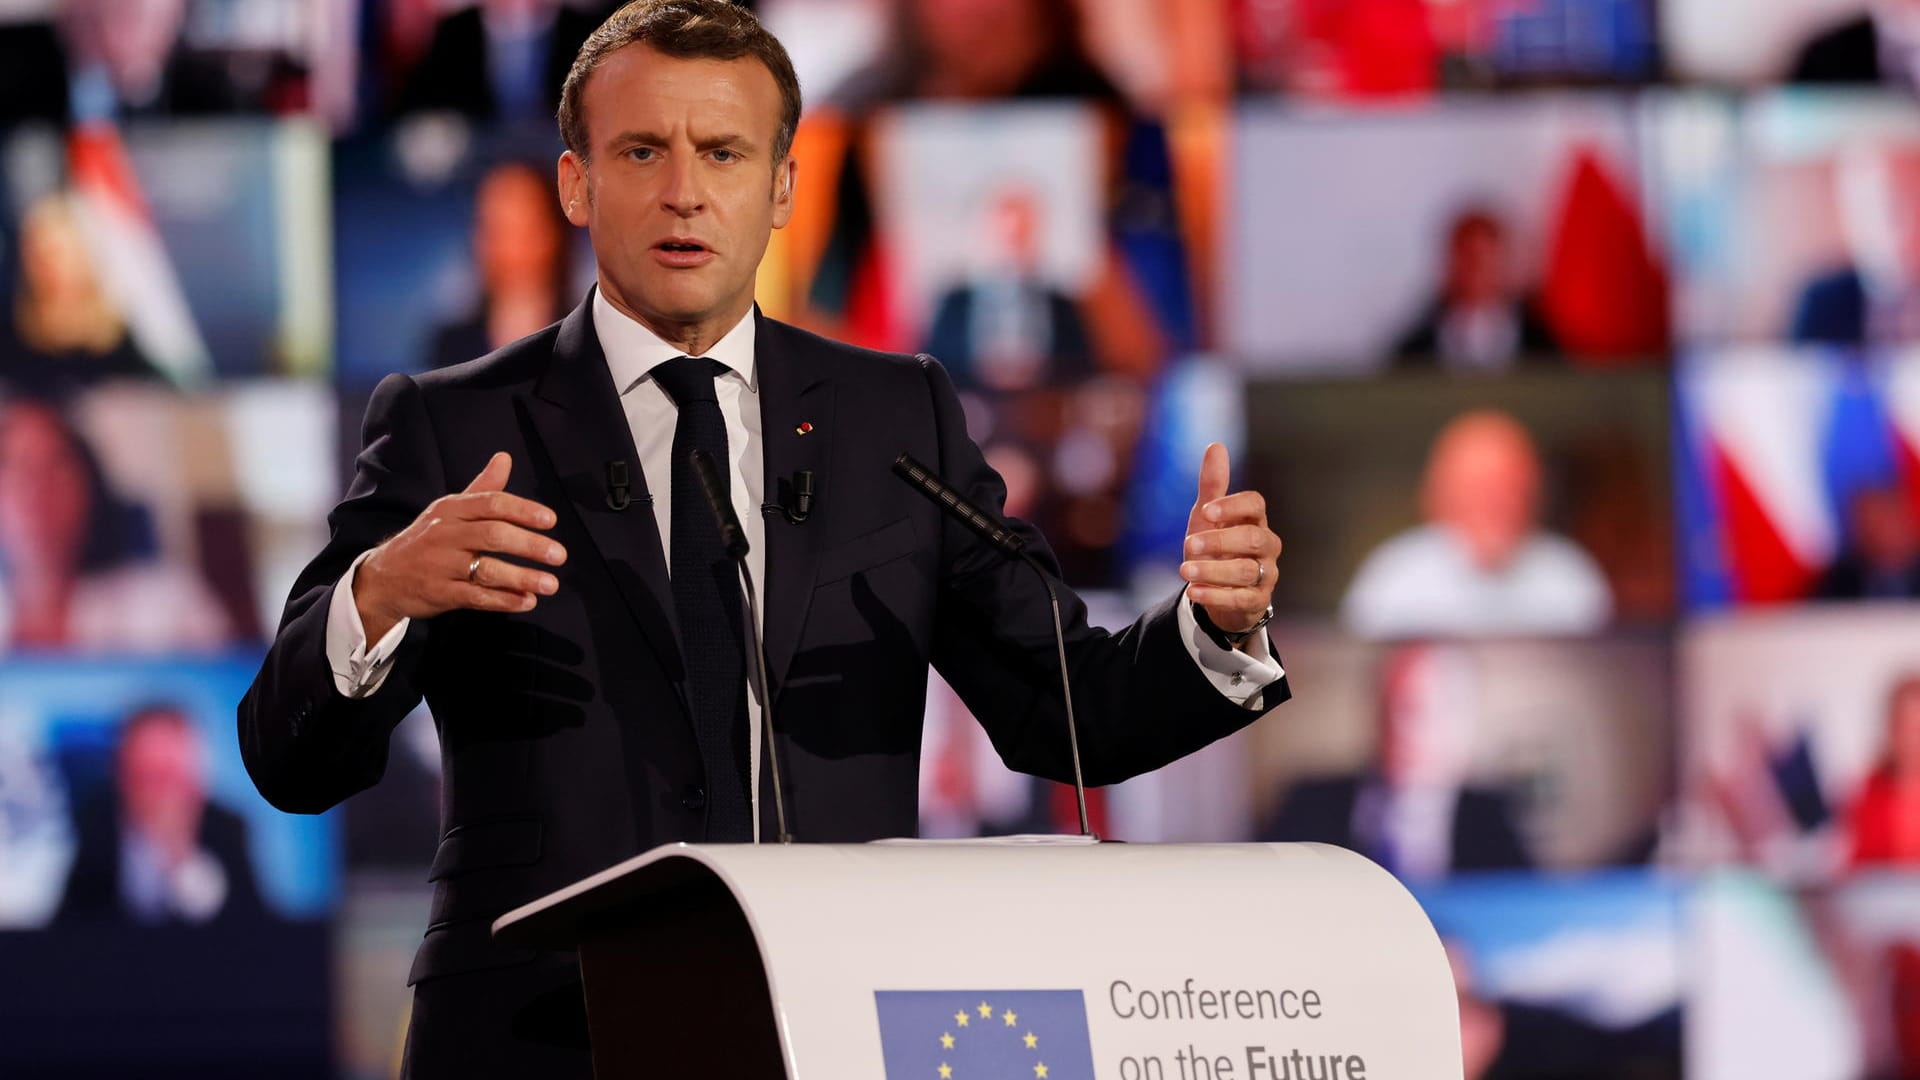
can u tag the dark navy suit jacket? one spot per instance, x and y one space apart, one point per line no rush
566 742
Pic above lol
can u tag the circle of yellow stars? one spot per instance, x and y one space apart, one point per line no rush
1008 1018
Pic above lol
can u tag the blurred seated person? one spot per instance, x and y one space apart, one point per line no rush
1416 812
1008 329
1875 300
65 333
1883 562
1884 820
130 57
71 579
157 852
1480 321
1481 564
520 238
978 50
501 60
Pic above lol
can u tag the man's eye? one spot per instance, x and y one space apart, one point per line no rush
641 153
724 155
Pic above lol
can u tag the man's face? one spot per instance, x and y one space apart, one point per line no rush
1478 275
44 497
681 192
162 787
1483 484
516 239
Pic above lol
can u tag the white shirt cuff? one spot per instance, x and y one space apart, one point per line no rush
357 670
1239 676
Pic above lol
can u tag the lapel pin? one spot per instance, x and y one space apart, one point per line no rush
804 428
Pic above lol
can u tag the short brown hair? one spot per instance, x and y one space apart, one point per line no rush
686 30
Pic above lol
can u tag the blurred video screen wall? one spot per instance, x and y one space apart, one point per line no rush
1574 344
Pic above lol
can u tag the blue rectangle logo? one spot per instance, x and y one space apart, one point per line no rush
1004 1034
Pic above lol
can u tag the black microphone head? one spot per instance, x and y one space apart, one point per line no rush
988 527
714 487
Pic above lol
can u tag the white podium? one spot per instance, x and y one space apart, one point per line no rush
1043 958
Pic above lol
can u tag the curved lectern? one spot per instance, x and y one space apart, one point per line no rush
1042 958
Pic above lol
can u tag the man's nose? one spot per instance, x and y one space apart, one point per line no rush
684 195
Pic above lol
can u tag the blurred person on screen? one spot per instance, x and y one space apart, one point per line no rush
1007 329
1481 564
520 242
1883 561
132 57
1884 820
65 331
1875 298
72 577
1480 320
978 50
501 60
157 851
1416 811
1525 1040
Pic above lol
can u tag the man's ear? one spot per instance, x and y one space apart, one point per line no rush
573 188
784 177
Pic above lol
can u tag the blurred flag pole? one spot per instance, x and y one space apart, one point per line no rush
129 255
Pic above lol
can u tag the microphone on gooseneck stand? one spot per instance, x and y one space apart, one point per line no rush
734 539
1009 543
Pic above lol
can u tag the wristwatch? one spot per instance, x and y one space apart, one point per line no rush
1228 639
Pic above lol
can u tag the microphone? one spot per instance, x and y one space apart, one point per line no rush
802 496
1011 544
802 507
732 536
923 480
619 484
734 539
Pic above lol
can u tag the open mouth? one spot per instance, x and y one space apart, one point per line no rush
682 254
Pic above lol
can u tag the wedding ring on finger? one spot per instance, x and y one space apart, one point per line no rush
1261 578
473 570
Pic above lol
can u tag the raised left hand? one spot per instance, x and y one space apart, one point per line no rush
1231 554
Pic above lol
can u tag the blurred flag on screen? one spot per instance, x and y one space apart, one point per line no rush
131 258
1903 412
1605 290
1749 441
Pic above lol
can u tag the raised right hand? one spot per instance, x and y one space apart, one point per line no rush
423 570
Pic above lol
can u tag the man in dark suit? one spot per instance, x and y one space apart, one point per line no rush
500 60
156 851
1415 812
571 617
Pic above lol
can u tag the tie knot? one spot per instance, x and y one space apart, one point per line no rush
688 379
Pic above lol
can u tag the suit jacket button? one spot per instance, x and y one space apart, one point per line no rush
694 798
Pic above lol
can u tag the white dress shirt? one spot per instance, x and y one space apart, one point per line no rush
632 353
1424 582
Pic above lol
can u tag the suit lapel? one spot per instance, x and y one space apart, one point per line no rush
797 425
576 411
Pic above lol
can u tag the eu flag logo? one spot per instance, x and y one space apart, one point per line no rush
990 1034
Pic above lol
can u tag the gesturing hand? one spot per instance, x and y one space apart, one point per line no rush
1231 555
446 560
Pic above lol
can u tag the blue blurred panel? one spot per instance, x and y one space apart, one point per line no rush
1586 975
396 244
211 189
67 714
1600 40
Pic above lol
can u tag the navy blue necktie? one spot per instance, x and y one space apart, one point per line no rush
706 596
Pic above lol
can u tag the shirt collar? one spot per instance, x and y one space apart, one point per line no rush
633 351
